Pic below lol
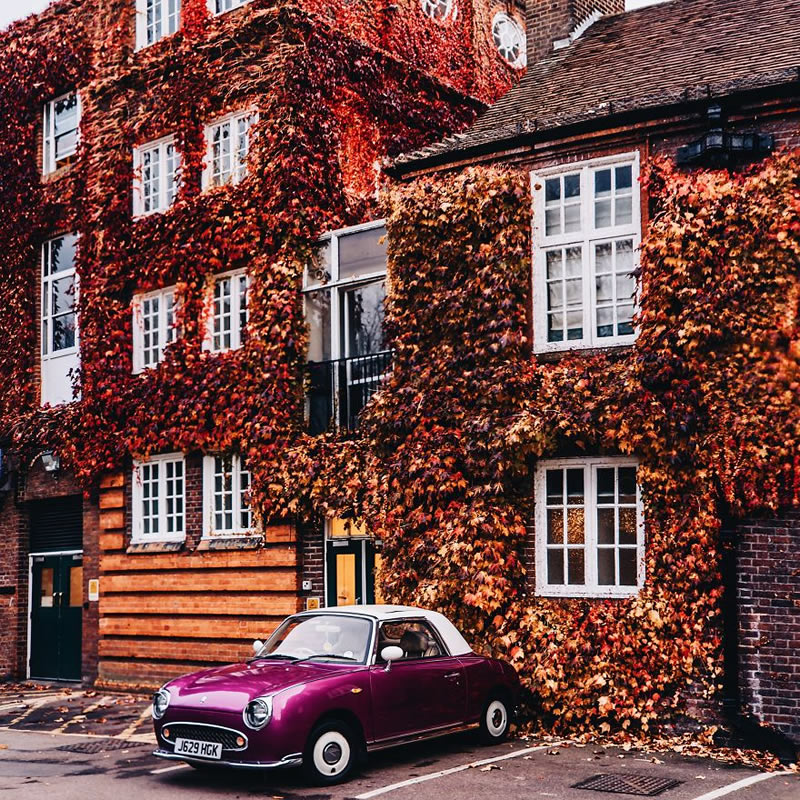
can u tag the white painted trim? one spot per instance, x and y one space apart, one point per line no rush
138 325
137 536
208 132
208 501
578 30
140 12
49 135
138 199
212 7
591 588
586 239
236 308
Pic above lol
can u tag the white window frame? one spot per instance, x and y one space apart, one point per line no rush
137 532
591 588
46 280
49 164
138 182
587 238
167 333
141 22
239 170
212 7
503 18
335 284
237 330
210 531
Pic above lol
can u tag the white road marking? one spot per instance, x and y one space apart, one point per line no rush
168 769
42 701
78 718
441 773
128 732
742 784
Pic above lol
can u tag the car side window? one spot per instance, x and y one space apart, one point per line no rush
415 638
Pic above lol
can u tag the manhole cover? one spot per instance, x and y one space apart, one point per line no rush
101 745
643 785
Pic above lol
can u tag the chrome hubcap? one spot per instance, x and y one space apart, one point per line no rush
332 753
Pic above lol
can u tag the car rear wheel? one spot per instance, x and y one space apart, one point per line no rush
331 753
495 720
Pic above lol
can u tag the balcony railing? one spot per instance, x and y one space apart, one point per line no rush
339 389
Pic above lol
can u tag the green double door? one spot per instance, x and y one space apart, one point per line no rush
56 611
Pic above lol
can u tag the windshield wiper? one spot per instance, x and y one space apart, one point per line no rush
325 655
272 655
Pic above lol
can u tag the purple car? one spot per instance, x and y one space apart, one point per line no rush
330 686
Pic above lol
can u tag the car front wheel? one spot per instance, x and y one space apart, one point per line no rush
331 753
495 720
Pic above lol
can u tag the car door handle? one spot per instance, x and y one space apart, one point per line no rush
453 675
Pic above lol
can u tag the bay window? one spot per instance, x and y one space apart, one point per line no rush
344 297
587 231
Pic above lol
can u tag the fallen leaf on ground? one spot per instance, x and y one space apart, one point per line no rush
490 767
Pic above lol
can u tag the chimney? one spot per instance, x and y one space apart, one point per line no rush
550 21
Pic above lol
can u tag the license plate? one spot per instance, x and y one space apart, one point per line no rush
191 747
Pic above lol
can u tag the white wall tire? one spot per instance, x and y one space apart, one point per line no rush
331 753
495 720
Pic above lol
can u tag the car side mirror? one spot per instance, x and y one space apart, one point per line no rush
257 646
391 653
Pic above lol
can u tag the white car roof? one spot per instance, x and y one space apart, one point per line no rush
455 642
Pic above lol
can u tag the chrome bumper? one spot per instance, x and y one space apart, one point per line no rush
293 760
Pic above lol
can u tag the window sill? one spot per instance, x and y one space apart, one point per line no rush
162 546
581 593
233 542
58 173
551 356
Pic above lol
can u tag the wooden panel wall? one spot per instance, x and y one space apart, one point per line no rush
166 613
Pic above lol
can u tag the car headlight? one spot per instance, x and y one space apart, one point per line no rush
160 703
258 712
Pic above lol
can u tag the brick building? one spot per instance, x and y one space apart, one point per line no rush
701 86
135 130
194 244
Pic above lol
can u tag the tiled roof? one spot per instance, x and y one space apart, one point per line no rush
657 56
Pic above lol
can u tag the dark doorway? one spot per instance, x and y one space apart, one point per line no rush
56 588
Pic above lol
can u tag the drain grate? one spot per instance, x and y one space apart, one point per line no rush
101 745
642 785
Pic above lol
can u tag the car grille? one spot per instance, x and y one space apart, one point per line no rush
205 733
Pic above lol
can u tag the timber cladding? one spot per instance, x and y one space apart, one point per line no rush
167 613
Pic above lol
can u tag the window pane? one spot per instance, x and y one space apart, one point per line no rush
623 211
364 319
555 487
572 218
555 526
576 568
555 566
605 526
362 253
606 570
605 485
603 262
602 183
555 327
575 486
574 325
63 328
552 221
572 185
627 567
574 262
605 321
575 525
627 526
318 316
60 254
624 176
552 190
627 484
554 264
62 295
625 321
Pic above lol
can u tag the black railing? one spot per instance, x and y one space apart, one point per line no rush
339 389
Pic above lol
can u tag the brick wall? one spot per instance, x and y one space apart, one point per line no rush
768 557
35 485
312 553
550 20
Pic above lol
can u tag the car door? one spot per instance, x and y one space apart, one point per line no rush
423 691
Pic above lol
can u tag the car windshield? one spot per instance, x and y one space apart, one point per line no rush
324 636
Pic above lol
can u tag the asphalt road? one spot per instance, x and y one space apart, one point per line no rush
92 745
